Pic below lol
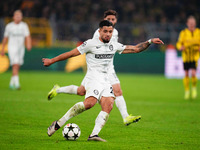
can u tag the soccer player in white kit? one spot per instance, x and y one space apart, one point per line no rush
16 33
99 56
110 15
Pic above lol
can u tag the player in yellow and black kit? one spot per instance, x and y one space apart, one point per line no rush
189 44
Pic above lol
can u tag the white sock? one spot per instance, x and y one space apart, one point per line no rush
71 89
16 81
100 122
12 81
72 112
121 105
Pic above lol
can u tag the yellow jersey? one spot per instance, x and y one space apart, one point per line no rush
191 42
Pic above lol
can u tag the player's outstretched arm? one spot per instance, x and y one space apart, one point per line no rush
141 46
47 62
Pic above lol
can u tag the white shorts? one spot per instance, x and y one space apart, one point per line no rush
113 77
16 56
97 88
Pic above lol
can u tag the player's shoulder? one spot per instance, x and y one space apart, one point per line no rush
10 24
23 23
96 33
115 34
89 43
97 30
115 31
198 29
184 31
116 43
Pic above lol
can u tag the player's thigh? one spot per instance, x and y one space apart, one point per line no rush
107 103
117 89
90 102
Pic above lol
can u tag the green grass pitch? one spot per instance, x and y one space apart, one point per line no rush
168 121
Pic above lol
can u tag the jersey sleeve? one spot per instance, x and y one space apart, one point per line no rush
85 47
6 32
120 47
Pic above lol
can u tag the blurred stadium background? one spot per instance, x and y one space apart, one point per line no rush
58 26
168 122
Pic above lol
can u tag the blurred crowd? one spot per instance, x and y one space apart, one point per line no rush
138 11
85 12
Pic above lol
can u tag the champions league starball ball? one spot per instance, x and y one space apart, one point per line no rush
71 132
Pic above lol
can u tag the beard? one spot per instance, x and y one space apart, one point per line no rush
106 41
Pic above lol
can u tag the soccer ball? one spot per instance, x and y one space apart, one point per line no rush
71 131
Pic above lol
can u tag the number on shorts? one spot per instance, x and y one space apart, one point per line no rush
111 90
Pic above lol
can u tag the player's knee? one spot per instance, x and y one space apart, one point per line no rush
89 102
118 92
81 91
108 106
193 73
186 74
89 105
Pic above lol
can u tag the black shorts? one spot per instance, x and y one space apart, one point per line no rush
190 65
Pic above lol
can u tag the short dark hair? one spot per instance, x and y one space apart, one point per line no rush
110 12
105 23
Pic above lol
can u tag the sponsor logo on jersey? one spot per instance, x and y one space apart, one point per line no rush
104 56
111 47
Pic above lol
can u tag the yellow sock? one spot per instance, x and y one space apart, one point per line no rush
194 82
186 83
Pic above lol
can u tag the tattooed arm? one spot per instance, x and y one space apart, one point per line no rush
141 46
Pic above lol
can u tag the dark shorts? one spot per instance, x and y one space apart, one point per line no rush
190 65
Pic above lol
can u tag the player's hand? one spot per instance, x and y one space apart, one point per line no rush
157 41
46 62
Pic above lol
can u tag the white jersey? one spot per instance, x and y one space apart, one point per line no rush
16 34
99 56
112 75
